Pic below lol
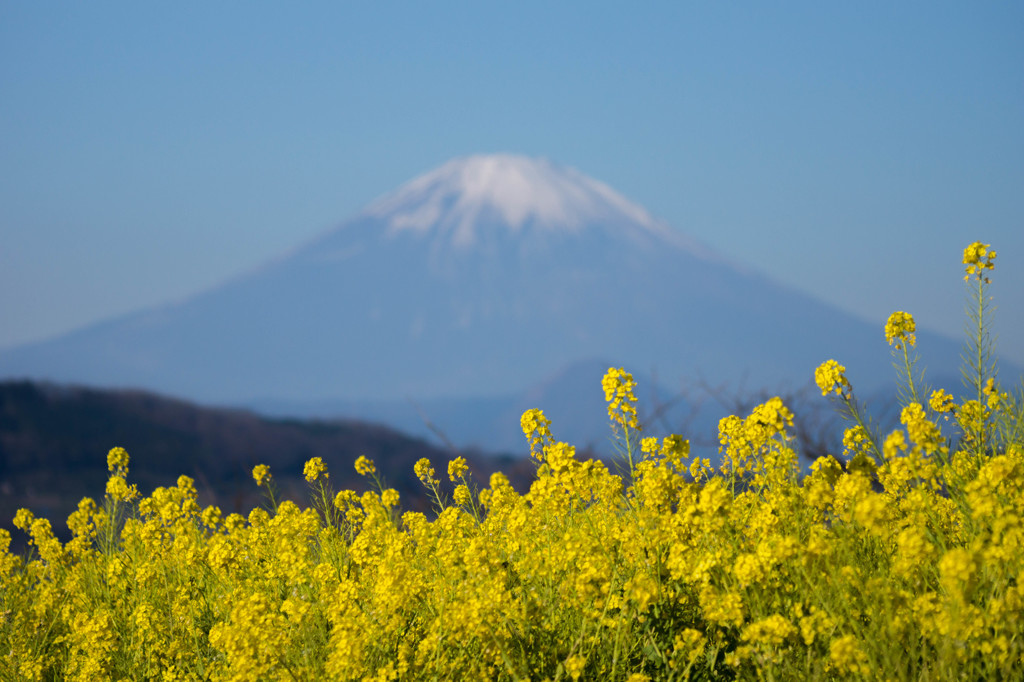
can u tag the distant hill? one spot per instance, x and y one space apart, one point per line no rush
54 440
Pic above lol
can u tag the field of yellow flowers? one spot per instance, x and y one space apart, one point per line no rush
898 558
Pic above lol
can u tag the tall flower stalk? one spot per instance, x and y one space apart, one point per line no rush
979 365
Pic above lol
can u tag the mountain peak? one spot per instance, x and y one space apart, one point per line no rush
510 189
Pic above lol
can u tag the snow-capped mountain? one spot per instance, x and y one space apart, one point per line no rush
479 278
513 191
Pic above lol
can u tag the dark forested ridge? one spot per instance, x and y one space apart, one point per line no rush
54 440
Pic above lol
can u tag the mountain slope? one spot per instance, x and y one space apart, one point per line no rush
479 278
54 440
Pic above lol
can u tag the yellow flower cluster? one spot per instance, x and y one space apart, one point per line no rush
830 377
423 470
117 459
537 429
261 474
906 571
365 466
457 468
899 329
942 402
978 257
619 392
314 469
809 578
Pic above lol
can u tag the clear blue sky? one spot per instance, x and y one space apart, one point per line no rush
151 150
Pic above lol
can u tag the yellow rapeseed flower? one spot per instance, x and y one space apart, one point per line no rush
619 392
23 519
847 656
956 569
119 490
389 498
117 458
457 468
425 472
261 473
462 496
772 631
537 429
978 258
922 431
211 516
364 466
900 329
895 444
942 402
831 378
314 468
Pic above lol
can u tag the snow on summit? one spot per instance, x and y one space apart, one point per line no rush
516 190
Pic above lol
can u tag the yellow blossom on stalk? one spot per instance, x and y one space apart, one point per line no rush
700 466
252 637
23 519
187 485
921 430
722 608
424 471
365 466
49 547
772 631
915 550
258 517
847 656
972 417
7 561
675 449
899 329
313 469
211 516
457 468
993 398
261 473
978 258
91 644
462 496
831 378
233 522
389 498
855 440
559 456
619 387
956 570
345 500
748 569
119 489
942 402
537 429
895 444
871 512
117 458
83 523
816 623
499 481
